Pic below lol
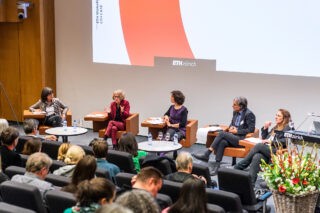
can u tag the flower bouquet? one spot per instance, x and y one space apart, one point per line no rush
295 174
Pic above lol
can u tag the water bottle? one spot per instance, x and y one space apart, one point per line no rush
150 139
64 125
175 139
74 125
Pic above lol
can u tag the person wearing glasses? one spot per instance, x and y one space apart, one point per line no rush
118 112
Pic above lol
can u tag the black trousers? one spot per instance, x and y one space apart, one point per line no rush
53 120
223 140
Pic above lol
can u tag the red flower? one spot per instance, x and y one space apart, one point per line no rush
295 180
305 182
282 189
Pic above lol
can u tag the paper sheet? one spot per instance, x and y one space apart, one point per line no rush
203 132
254 140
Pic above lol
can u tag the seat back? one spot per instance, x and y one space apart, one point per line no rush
203 171
51 148
171 189
23 195
87 149
123 179
229 201
242 186
58 200
123 160
9 208
56 164
14 170
103 173
214 208
58 180
163 164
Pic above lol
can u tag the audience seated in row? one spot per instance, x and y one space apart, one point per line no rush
9 139
91 194
84 170
100 150
37 168
74 154
128 143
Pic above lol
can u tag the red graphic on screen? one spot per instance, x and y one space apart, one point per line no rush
153 28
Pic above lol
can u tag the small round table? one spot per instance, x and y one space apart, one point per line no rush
159 146
66 131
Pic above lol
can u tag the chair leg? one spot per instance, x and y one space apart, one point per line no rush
234 161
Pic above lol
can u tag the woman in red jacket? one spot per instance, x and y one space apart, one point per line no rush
117 113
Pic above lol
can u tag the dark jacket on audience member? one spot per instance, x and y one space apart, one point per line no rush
9 158
179 176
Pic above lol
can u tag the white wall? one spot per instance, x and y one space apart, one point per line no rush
87 87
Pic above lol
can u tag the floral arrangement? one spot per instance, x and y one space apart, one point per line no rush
292 172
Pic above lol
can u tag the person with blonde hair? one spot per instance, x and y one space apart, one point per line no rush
118 112
62 151
74 154
3 124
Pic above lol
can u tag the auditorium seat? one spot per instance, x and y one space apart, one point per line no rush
123 160
9 208
132 125
58 201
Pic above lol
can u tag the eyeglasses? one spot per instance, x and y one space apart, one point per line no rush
116 96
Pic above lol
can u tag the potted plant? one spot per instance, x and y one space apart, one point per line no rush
294 179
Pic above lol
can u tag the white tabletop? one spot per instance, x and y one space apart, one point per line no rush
66 131
158 146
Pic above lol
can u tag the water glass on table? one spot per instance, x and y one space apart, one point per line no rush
160 135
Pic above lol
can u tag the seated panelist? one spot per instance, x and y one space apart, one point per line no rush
53 108
118 112
242 123
274 138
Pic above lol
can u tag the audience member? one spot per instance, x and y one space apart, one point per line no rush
84 170
37 168
53 108
9 157
138 201
242 123
62 151
274 138
188 202
100 150
91 194
3 124
74 154
118 112
31 146
128 143
184 164
113 208
148 179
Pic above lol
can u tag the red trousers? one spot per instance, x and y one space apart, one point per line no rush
111 130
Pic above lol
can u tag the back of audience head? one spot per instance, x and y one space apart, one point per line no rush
32 146
113 208
100 148
3 124
9 136
62 151
184 162
39 163
30 126
74 154
139 201
187 201
150 179
128 143
84 170
96 190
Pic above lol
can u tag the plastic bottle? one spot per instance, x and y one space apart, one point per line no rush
74 125
64 125
149 138
175 139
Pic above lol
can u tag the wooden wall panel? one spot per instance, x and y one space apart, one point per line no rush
8 11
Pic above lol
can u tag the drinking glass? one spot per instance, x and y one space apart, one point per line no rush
160 136
167 138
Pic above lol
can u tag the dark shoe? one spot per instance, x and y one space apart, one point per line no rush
214 169
201 156
264 185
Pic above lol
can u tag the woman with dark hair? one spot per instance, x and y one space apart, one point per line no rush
177 115
91 194
188 202
128 143
118 112
84 170
54 109
274 138
32 146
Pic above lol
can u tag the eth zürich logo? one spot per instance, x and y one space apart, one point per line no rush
184 63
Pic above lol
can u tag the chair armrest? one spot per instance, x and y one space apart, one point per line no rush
191 131
132 123
254 134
